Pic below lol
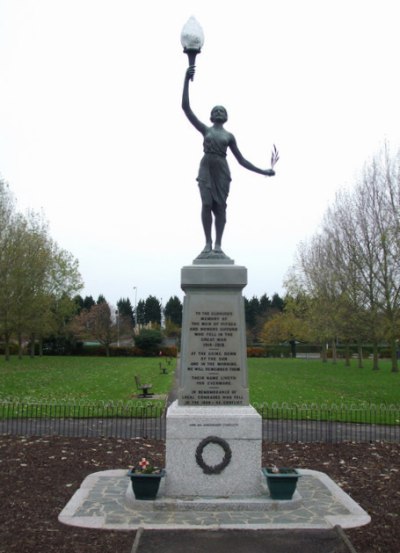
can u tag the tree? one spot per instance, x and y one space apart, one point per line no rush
251 310
173 311
79 303
33 271
97 323
324 288
264 304
125 310
141 313
88 302
368 248
62 282
257 311
152 310
125 319
351 269
284 327
277 302
381 187
10 244
352 250
31 280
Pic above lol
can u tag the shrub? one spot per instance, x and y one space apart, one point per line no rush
149 341
169 351
256 352
13 348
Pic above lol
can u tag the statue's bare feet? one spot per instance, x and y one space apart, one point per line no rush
207 248
218 249
206 251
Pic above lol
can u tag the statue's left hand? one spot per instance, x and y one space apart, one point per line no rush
269 172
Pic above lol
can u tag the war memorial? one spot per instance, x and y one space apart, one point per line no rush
213 475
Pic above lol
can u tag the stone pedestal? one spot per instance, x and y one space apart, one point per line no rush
213 446
199 439
213 352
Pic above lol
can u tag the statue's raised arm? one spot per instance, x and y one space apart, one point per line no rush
201 127
214 176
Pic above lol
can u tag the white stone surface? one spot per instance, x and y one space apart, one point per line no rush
213 276
213 352
195 422
259 503
239 426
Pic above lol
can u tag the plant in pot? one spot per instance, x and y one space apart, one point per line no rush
145 479
281 481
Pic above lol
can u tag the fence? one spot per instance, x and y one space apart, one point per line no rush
330 423
280 423
83 420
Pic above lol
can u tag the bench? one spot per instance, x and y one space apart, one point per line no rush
163 370
143 388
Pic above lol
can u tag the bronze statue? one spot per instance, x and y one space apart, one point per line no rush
214 176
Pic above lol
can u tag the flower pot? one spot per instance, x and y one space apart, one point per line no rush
145 486
282 484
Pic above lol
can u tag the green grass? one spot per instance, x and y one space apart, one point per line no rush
92 380
292 381
299 381
80 379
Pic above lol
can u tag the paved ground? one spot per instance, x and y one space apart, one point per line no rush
105 500
261 541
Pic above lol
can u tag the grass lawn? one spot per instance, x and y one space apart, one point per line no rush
296 381
270 380
85 379
60 380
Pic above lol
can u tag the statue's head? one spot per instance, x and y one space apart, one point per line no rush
219 114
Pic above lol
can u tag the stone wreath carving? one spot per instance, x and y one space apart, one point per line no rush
213 469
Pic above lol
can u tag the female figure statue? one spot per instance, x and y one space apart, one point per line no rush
214 176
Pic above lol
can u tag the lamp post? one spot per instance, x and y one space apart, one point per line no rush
192 39
117 317
136 320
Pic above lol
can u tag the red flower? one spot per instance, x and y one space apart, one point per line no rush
143 464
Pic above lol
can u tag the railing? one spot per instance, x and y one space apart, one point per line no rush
280 423
333 423
118 420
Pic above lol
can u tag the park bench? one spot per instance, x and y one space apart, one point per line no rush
143 388
163 369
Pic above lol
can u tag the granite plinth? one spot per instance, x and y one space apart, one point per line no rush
187 427
213 276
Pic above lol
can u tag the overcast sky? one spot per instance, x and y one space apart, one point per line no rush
92 131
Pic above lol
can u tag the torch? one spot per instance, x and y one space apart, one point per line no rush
192 39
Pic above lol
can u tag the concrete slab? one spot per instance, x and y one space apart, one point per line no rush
235 541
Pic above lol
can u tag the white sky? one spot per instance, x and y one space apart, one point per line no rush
92 132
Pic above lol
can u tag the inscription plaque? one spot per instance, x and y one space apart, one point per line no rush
213 358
